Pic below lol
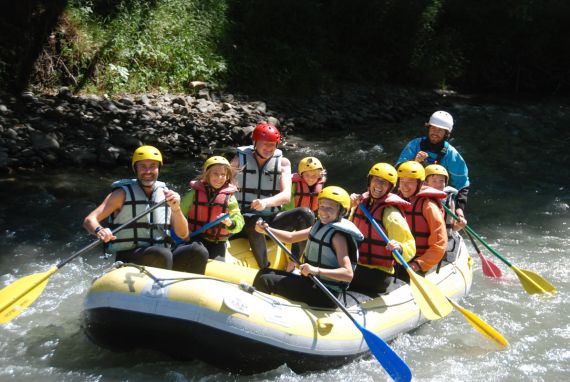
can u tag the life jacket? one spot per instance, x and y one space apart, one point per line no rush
319 251
373 249
205 209
304 196
440 150
255 182
417 221
151 229
450 203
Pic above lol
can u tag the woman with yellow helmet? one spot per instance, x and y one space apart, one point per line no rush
330 255
146 242
376 265
424 217
211 195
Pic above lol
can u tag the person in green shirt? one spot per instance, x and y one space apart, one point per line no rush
210 196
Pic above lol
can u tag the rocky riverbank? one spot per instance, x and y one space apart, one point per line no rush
62 129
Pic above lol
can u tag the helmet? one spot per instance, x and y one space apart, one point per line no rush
385 171
411 169
266 132
337 194
308 164
215 160
146 152
441 119
436 169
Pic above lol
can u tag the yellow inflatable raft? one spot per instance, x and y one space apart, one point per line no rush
221 319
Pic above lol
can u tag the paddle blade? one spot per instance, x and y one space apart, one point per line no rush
388 358
22 293
432 302
489 268
533 282
481 326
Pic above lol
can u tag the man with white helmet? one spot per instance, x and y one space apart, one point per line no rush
434 147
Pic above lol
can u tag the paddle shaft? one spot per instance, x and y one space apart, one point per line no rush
470 230
95 243
313 278
209 225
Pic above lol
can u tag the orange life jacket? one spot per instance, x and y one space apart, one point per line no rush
304 196
205 210
373 249
417 221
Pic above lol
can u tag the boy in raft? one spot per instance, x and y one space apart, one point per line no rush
330 255
438 178
211 195
306 184
376 264
424 216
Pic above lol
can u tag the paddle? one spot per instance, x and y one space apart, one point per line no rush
489 268
481 326
17 296
390 361
477 322
209 225
431 301
531 282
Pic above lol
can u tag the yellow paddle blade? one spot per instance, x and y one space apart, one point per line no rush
432 302
22 293
533 282
483 328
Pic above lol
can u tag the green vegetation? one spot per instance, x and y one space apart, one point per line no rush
139 46
286 47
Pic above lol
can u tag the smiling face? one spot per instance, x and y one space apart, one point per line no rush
436 134
217 175
408 187
265 149
328 210
311 176
147 172
436 181
378 187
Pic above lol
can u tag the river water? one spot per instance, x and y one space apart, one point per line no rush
518 158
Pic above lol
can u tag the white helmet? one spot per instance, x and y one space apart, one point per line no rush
441 119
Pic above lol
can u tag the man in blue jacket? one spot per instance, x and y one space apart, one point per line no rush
435 148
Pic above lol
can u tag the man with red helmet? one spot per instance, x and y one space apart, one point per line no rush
264 182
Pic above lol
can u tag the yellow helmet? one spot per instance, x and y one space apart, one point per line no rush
215 160
146 152
308 164
436 169
337 194
411 169
385 171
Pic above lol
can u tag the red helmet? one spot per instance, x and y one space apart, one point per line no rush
266 132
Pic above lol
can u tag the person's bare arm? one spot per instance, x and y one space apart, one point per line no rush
113 202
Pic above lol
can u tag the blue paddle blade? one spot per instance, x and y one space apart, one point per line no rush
388 358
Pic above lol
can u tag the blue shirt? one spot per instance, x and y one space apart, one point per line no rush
452 161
